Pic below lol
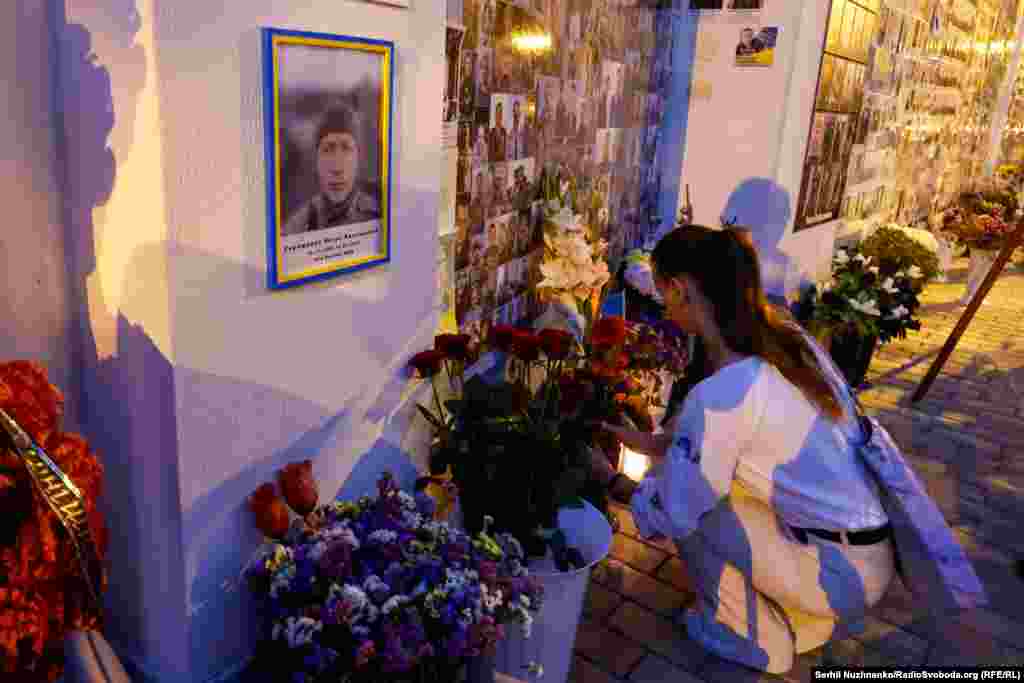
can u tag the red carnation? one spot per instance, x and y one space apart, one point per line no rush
608 332
454 346
299 486
556 344
427 363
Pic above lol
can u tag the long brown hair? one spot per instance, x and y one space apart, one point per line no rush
725 266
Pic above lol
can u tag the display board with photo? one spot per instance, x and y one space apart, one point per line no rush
583 114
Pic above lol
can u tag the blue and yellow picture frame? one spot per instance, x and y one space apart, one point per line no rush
328 138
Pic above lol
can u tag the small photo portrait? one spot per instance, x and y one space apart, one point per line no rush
498 133
745 4
467 105
478 252
516 145
506 286
521 181
756 48
486 24
463 295
484 73
480 191
499 199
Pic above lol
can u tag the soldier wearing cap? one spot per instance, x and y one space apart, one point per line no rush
339 200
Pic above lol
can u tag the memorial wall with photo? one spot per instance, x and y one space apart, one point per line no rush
555 96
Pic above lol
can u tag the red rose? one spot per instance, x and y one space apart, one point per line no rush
454 346
556 344
427 363
525 345
271 514
502 337
608 332
611 369
299 486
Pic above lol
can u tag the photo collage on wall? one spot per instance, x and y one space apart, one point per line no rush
584 115
836 120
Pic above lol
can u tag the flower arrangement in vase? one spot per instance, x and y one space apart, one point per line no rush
377 590
861 306
517 440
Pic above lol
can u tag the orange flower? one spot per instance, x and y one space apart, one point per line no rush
299 487
271 514
608 332
556 344
427 363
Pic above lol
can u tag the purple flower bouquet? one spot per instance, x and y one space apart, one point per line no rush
377 590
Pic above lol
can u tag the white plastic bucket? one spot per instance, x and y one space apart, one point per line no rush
554 628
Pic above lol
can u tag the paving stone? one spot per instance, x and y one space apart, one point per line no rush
848 653
612 651
655 669
881 638
955 644
718 669
674 572
638 555
990 623
600 602
583 671
640 587
660 635
628 527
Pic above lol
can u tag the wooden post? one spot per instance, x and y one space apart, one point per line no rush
1013 241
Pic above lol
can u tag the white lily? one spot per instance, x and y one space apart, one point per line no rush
915 272
901 273
869 307
899 312
889 286
842 258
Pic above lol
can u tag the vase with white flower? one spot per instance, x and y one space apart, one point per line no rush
864 304
575 274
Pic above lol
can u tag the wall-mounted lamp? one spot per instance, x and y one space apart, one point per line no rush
533 41
634 465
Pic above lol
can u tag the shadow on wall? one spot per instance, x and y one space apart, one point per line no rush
126 401
764 207
676 118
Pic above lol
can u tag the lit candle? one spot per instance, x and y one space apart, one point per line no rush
634 465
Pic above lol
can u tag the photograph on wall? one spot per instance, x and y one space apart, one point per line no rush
453 68
745 5
328 139
756 47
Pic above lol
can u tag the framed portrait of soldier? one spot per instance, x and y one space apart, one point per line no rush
328 116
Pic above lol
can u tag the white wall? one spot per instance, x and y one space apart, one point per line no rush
745 130
34 301
205 383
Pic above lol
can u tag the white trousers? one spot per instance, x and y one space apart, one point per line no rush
762 596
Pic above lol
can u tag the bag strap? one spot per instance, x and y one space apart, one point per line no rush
66 501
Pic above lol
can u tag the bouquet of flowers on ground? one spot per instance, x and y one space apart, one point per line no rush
863 299
376 590
982 220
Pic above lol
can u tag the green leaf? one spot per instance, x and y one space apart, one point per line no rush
431 418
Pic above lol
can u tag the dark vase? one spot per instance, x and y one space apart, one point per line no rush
852 353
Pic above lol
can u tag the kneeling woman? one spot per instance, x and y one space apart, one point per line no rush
757 480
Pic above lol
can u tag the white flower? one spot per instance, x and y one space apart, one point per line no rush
900 273
393 603
407 501
384 536
842 258
899 312
374 584
296 632
873 269
915 272
869 307
535 669
890 286
865 260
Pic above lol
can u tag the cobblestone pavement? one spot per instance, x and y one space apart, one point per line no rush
966 440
